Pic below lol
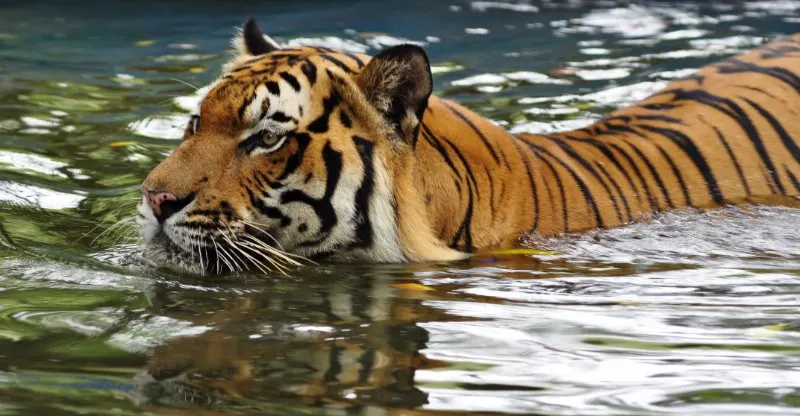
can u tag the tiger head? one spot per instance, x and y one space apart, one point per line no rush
295 152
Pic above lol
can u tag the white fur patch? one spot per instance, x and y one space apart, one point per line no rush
146 220
385 247
288 102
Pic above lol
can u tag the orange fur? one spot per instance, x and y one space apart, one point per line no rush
727 134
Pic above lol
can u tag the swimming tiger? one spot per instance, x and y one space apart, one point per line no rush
312 152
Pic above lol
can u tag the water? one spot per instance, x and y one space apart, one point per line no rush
695 313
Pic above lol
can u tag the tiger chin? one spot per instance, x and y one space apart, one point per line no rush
311 153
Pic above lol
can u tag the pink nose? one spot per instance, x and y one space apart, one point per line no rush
155 199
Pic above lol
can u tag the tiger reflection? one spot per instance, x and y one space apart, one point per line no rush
352 342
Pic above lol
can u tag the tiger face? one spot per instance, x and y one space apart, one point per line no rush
292 152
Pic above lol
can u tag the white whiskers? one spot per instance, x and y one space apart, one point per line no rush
185 83
123 229
241 251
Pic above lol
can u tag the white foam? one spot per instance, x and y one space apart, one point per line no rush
33 163
344 45
476 31
524 7
683 34
632 21
602 74
170 126
17 193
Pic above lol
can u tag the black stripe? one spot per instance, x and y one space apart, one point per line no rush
647 162
310 71
659 117
363 237
490 179
467 167
732 155
690 148
588 167
323 206
280 117
336 62
291 80
434 142
269 183
477 131
617 187
762 91
273 88
465 228
604 149
662 106
587 194
678 176
735 112
355 58
559 183
624 119
655 174
785 138
734 66
267 211
320 125
527 163
649 195
226 210
345 119
294 160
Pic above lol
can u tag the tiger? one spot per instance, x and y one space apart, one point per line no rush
313 153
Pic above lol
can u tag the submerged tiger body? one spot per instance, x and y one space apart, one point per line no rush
312 152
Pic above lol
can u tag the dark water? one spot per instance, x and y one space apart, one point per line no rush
695 313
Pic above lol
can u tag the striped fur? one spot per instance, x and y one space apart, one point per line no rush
357 176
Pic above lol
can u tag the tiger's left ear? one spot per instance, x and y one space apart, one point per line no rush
252 41
398 82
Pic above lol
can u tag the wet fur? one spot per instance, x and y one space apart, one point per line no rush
396 189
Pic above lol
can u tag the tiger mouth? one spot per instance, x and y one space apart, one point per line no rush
224 253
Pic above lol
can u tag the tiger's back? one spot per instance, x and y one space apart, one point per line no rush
726 134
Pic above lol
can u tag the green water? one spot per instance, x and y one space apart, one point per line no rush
695 313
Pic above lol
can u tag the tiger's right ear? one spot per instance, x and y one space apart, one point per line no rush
252 41
398 82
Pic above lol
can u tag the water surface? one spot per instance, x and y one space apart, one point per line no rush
694 313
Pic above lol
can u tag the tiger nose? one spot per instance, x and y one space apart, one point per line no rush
164 204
